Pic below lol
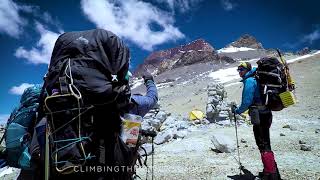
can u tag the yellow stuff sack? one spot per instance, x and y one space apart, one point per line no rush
287 98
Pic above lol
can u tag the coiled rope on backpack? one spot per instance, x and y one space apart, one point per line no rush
77 94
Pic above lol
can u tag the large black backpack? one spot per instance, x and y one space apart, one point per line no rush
272 78
86 94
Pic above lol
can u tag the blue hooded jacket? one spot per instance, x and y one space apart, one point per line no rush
143 104
250 92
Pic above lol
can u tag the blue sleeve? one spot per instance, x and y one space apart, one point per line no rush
247 95
152 92
147 102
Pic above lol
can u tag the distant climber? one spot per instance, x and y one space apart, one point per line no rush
261 118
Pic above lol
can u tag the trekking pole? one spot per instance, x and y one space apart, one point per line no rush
46 154
235 125
152 158
151 134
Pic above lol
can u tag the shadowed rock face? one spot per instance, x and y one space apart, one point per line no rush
198 51
247 41
304 51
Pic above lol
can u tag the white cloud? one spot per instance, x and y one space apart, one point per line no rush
132 19
10 21
4 118
310 38
181 5
18 90
305 40
40 54
227 5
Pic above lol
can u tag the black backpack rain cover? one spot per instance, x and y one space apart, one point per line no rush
273 81
99 62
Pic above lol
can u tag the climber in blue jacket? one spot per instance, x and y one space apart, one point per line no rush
250 93
261 118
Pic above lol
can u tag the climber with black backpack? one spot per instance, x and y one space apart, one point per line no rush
85 95
79 111
262 91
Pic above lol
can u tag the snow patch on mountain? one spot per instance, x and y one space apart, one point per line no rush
224 75
232 49
303 57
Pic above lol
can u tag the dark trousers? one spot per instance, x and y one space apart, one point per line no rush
262 137
262 132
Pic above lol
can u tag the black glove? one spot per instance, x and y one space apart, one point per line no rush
233 108
147 76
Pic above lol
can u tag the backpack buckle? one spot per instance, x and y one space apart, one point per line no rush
114 78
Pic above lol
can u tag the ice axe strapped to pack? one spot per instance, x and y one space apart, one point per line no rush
290 81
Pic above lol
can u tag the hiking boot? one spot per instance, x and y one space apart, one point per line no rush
268 176
276 176
278 173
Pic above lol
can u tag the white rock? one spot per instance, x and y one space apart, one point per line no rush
212 93
210 99
7 172
224 123
220 92
180 134
180 125
156 123
197 121
170 121
163 137
205 121
147 147
215 99
146 126
224 113
223 143
161 116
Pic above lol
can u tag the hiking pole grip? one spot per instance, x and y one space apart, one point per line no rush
148 133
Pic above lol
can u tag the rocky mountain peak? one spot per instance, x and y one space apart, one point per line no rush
247 40
167 58
196 45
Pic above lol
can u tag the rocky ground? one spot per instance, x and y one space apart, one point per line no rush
185 150
294 135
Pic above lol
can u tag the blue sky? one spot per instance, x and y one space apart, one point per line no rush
29 28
